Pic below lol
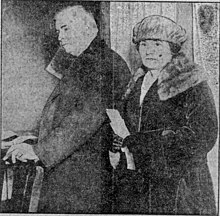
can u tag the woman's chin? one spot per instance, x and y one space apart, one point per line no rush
151 66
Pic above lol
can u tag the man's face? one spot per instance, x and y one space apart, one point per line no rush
72 33
155 54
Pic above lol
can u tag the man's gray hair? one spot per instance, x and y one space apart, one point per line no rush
78 11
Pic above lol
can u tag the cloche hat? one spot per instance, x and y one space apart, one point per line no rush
161 28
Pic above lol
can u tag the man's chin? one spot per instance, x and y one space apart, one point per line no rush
67 48
72 52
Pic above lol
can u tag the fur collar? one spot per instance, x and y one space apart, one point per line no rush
178 76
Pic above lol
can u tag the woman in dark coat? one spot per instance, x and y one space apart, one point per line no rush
171 115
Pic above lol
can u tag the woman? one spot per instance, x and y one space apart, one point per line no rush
170 113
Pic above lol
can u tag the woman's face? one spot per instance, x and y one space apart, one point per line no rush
155 54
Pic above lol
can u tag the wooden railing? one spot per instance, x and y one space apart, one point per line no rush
20 186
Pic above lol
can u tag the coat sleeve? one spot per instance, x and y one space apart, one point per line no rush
198 134
117 70
75 129
84 121
170 151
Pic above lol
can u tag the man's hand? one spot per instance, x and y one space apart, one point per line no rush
6 145
22 152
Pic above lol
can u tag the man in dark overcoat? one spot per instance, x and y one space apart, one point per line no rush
74 134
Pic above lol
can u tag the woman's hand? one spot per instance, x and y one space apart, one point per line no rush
131 142
117 143
22 152
135 151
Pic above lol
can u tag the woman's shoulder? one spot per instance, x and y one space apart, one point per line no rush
197 94
201 89
181 76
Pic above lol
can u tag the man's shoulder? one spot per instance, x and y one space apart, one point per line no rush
108 51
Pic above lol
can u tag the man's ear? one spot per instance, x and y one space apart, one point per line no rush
92 29
92 26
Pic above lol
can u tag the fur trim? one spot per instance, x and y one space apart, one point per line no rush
178 76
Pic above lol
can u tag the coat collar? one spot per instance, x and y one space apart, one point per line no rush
178 76
90 55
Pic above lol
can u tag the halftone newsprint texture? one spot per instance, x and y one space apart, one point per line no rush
201 21
32 62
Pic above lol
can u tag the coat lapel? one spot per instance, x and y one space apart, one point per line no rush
81 75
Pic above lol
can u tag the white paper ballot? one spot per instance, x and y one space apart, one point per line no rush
117 123
119 128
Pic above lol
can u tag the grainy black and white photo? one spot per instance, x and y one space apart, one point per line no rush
109 107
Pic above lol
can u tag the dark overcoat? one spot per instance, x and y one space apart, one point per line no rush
178 127
75 136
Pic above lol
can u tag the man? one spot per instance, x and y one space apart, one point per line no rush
74 134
